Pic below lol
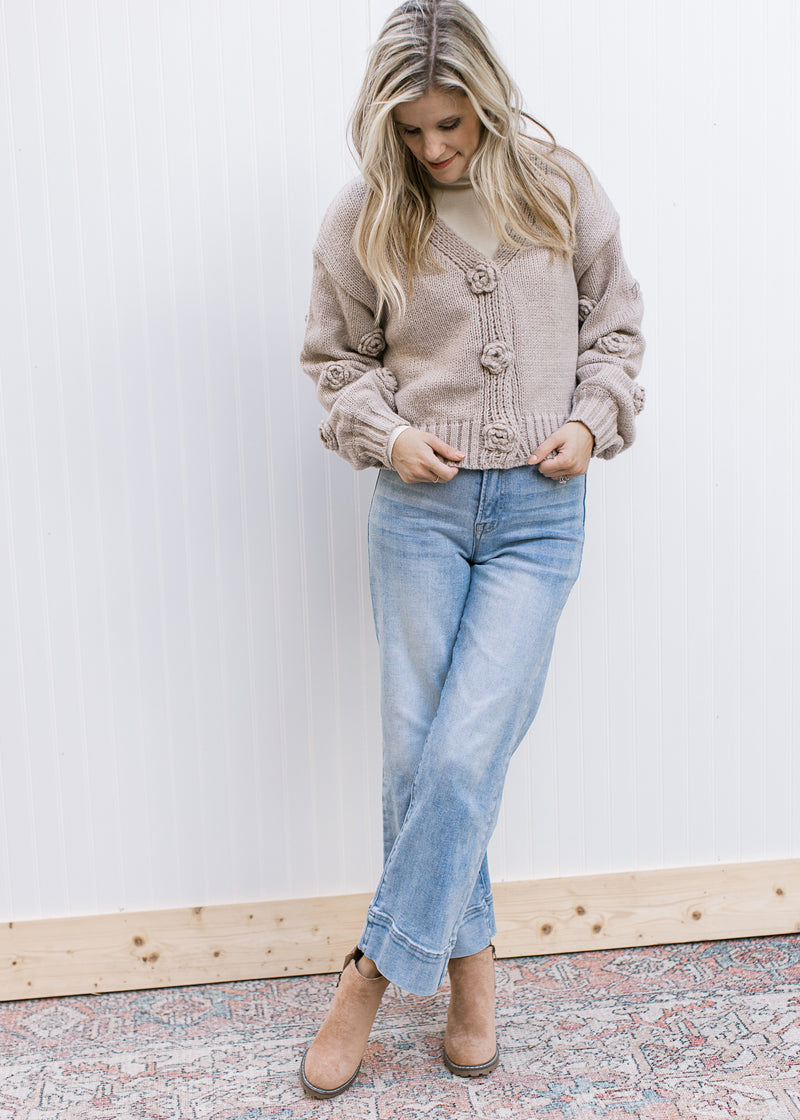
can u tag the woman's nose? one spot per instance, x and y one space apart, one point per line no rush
433 148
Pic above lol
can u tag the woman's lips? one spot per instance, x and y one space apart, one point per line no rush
445 163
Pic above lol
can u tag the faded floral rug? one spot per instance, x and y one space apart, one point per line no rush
701 1031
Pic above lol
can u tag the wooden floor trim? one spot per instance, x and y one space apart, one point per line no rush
161 948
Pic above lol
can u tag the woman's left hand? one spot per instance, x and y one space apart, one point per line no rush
573 444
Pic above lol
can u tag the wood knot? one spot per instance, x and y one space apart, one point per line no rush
151 959
780 891
217 952
581 910
547 928
597 927
138 941
198 910
697 915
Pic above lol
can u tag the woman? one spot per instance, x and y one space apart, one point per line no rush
473 332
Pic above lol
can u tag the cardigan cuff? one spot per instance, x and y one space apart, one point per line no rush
372 435
598 411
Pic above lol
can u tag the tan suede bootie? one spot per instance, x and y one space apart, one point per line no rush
470 1042
332 1061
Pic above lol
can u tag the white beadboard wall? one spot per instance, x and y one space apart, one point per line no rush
188 709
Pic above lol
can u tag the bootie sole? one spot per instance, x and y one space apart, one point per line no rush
472 1071
324 1094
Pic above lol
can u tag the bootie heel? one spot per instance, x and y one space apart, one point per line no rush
470 1042
332 1061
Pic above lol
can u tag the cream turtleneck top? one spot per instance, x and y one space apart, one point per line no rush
459 208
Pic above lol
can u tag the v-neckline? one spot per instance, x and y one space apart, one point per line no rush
463 252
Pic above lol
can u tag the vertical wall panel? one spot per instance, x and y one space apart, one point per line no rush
188 682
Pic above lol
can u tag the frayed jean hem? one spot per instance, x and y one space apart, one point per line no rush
412 967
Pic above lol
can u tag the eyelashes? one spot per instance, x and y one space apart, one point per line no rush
442 127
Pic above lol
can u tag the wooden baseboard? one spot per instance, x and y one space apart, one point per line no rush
161 948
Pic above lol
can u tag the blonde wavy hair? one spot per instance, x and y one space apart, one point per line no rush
441 44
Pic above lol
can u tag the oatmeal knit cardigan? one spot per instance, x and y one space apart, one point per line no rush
492 354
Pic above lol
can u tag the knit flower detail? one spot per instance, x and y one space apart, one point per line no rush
387 379
499 436
615 343
482 279
638 399
372 343
328 436
496 357
336 376
585 307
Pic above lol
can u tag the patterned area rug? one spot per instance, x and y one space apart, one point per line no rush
700 1031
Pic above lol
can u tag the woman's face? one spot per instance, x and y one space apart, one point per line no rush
442 130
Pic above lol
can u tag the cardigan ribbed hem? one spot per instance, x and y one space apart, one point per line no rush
469 436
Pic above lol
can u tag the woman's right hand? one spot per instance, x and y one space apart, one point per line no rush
414 457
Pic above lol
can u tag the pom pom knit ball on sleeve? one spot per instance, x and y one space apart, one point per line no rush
492 355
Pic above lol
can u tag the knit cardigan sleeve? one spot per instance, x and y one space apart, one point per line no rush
344 343
610 342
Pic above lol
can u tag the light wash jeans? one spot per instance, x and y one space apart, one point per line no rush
468 581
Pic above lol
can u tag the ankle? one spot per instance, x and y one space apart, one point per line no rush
367 968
